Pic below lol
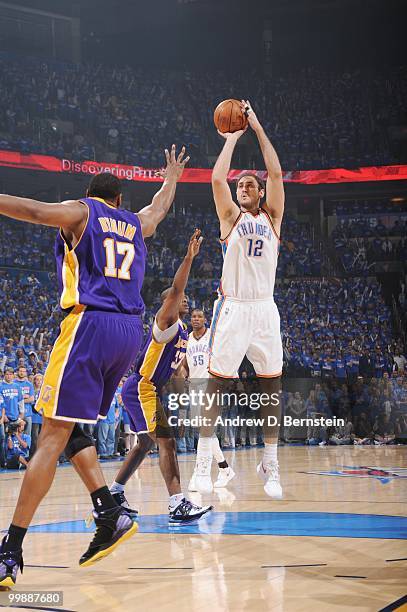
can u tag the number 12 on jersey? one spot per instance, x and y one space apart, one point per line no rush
254 248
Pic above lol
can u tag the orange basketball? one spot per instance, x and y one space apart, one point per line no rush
228 116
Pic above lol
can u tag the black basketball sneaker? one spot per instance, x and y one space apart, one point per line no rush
120 499
113 527
10 563
186 512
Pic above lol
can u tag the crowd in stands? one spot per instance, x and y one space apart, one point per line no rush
129 115
336 319
374 411
364 238
337 332
329 324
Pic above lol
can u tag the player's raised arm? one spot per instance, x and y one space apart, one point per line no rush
169 311
150 216
274 186
227 210
69 215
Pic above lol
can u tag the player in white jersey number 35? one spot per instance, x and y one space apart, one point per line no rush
196 366
245 318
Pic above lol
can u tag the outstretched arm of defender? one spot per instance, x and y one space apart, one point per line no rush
226 208
274 186
151 215
169 311
69 215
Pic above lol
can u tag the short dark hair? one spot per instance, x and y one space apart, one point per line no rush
197 310
105 186
259 181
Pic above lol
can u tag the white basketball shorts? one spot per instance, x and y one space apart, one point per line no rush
242 328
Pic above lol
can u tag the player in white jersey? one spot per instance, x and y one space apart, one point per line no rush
246 320
196 366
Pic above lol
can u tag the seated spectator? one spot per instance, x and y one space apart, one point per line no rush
342 434
18 446
363 430
383 430
317 434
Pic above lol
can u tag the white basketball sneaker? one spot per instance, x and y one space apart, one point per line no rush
192 483
225 475
271 477
203 481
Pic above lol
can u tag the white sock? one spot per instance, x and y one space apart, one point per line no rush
217 451
204 448
175 500
270 453
117 488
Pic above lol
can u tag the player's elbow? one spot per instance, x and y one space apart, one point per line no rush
218 179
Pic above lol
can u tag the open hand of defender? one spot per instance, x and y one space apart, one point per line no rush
175 165
250 114
194 244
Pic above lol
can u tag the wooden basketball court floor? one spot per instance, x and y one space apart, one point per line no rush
337 541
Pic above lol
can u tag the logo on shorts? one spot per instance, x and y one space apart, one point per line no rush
46 394
226 310
384 475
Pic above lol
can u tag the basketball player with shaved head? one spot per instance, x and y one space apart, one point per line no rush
160 358
245 317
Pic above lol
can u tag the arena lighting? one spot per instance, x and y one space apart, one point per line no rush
397 200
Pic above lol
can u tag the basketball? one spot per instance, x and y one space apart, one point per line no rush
228 116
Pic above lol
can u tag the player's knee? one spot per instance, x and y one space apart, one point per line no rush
167 443
77 442
146 441
54 435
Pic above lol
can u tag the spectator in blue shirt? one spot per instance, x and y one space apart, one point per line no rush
340 367
106 431
118 418
12 396
18 446
36 417
2 433
27 391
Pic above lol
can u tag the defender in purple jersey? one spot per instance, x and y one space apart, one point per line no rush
161 357
100 255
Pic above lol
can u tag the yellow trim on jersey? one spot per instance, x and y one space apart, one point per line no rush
103 202
70 271
148 401
151 359
146 389
70 279
47 402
